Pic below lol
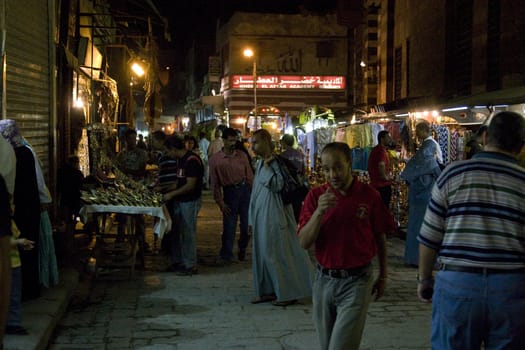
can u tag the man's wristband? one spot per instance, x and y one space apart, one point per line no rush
428 280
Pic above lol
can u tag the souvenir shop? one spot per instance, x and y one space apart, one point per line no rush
451 130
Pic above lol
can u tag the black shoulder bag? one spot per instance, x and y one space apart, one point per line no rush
295 187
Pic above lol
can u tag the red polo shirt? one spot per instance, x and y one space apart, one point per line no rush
377 155
346 238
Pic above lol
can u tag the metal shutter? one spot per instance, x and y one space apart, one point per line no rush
27 73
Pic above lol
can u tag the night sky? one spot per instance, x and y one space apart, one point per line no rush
197 19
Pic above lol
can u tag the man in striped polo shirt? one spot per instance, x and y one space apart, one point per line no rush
475 222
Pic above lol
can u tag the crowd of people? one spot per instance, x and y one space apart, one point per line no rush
466 222
28 261
246 187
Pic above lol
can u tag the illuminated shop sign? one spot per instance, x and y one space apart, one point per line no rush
288 82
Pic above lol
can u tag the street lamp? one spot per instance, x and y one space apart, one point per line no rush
250 53
138 69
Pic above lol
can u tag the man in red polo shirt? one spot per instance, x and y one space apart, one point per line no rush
379 167
346 221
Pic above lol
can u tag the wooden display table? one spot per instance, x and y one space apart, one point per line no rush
113 251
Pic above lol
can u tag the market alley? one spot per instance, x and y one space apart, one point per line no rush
212 310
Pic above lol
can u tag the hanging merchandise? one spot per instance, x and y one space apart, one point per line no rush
360 158
118 188
453 151
107 100
441 134
340 134
324 136
83 153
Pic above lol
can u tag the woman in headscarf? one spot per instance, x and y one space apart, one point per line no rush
27 207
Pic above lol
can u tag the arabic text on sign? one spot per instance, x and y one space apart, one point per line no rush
288 82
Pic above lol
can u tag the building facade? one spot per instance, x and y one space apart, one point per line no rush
432 53
298 61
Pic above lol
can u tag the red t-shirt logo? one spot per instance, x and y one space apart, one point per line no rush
362 211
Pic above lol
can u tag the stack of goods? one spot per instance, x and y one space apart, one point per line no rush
121 195
362 176
315 175
399 202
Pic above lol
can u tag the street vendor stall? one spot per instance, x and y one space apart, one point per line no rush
123 254
112 250
111 196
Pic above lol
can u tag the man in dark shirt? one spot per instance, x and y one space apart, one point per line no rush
291 153
69 185
186 198
132 162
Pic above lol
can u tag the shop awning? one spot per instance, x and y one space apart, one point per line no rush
475 109
509 96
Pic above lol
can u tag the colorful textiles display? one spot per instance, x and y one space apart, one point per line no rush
360 158
443 139
451 140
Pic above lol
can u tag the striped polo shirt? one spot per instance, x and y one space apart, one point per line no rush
167 170
476 216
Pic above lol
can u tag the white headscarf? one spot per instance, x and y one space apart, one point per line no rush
7 164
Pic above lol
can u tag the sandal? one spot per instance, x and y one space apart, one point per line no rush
264 299
284 303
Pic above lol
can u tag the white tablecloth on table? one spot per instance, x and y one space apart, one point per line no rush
161 226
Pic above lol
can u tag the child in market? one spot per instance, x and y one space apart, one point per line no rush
14 320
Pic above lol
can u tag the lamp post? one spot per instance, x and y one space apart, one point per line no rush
251 53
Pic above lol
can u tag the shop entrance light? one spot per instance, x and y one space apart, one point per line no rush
238 121
454 109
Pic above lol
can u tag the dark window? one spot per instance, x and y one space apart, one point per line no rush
464 46
407 66
373 10
398 57
493 46
372 36
458 47
325 49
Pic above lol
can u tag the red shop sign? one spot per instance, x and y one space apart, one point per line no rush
288 82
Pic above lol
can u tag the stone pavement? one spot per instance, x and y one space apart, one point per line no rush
212 310
40 316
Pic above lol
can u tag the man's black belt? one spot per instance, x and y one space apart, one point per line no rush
236 185
480 270
344 273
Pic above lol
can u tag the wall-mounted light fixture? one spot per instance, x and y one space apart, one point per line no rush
138 69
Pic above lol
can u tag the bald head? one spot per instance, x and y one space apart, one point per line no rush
506 132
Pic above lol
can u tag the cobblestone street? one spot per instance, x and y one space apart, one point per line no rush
212 310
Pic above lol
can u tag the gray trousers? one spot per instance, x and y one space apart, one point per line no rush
339 309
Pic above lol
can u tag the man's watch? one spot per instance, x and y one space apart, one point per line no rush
428 280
